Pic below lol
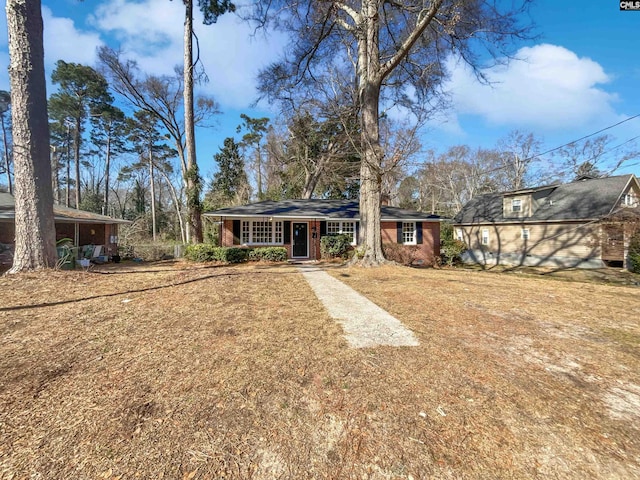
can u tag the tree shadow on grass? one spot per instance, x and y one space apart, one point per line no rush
254 271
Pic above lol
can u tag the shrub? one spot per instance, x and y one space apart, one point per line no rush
333 246
403 254
268 254
451 251
204 252
634 252
232 254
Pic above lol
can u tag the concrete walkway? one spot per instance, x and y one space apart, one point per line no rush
365 323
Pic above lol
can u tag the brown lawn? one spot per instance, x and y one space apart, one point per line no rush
183 371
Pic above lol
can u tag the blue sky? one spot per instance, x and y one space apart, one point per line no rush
580 75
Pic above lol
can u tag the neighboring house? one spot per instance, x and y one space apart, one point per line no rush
298 226
83 228
586 223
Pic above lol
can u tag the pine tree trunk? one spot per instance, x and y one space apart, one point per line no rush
194 207
152 183
107 171
76 156
68 173
55 176
34 222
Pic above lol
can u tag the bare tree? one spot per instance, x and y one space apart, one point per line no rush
34 222
163 97
595 157
211 9
390 46
518 155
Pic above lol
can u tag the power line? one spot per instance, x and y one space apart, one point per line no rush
504 167
582 138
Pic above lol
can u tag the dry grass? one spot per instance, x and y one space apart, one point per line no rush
179 371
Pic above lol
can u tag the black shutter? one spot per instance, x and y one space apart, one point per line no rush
418 233
357 233
323 228
236 232
399 232
287 232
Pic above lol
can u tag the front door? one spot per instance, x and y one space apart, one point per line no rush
300 240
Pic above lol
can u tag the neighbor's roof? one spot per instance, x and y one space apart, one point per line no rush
317 209
60 213
586 199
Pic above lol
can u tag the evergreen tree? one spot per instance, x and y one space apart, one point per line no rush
230 185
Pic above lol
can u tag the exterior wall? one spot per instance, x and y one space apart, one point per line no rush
90 234
314 238
526 206
7 239
7 232
427 251
569 244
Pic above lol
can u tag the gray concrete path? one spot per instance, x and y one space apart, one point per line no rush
365 324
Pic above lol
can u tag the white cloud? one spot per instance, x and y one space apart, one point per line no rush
63 41
550 87
151 32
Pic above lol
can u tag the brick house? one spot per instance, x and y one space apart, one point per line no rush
586 223
298 225
83 228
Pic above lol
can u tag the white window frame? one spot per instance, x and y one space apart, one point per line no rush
409 233
525 234
247 231
342 227
459 235
516 202
484 236
629 200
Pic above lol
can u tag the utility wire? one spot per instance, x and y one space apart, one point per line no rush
582 138
504 167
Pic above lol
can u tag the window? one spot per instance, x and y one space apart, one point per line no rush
262 232
277 237
342 228
524 234
629 200
516 205
409 233
459 234
333 228
485 236
245 232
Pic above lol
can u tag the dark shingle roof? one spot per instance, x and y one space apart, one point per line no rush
319 209
581 200
61 214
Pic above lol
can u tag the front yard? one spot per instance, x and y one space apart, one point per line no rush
184 371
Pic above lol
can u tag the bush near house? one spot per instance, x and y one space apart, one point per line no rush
334 246
451 250
204 252
634 252
268 254
403 254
